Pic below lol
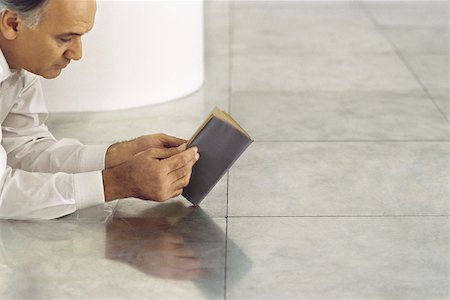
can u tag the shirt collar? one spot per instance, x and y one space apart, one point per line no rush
5 71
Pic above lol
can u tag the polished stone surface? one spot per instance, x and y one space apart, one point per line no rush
217 31
179 118
331 72
408 14
442 99
320 28
341 258
333 116
344 195
168 251
420 41
431 69
341 179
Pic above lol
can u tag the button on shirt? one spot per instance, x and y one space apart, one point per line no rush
40 177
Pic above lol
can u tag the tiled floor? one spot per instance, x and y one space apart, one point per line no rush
345 193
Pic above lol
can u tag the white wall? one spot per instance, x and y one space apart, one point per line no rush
139 53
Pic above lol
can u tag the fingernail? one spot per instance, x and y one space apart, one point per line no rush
182 147
195 149
197 156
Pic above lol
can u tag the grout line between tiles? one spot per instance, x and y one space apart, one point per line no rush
230 72
403 59
410 27
325 54
226 260
228 188
347 216
322 91
306 141
231 8
352 141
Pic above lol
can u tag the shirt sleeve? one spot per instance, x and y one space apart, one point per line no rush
31 147
26 195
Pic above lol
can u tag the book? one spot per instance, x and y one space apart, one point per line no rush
220 141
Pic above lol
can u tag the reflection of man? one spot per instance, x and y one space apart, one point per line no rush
148 245
173 241
45 178
168 241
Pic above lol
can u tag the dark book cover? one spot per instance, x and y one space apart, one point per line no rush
220 141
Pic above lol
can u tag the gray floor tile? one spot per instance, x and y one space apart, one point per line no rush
409 13
341 258
339 116
442 99
420 41
179 118
217 45
299 27
217 27
432 70
347 12
321 73
217 73
317 179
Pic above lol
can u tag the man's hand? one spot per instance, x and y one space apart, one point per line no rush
157 174
148 245
121 152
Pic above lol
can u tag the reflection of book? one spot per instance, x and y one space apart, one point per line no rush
210 243
193 247
220 141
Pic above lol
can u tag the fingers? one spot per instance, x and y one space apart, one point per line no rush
185 263
184 171
182 147
176 193
171 141
183 251
179 160
164 172
177 273
181 183
162 153
180 178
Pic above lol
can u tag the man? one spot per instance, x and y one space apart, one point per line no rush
44 178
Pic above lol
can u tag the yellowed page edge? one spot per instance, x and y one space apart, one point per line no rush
220 114
227 118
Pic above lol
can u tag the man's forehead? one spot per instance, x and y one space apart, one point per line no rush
69 16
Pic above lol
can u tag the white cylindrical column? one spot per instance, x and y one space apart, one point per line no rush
139 53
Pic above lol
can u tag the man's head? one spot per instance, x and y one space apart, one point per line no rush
43 36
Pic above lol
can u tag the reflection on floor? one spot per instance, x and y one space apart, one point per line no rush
345 193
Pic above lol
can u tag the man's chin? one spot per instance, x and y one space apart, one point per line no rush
51 74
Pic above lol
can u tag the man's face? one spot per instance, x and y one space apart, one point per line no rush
56 40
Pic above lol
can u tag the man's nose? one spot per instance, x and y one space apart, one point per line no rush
75 50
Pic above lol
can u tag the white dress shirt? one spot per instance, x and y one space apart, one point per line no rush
40 177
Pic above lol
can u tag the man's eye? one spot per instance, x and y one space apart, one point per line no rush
65 40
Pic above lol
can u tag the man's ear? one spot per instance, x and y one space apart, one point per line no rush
9 22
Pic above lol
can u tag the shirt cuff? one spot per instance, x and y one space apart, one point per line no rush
93 158
88 189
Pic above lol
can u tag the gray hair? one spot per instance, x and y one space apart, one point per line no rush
29 10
